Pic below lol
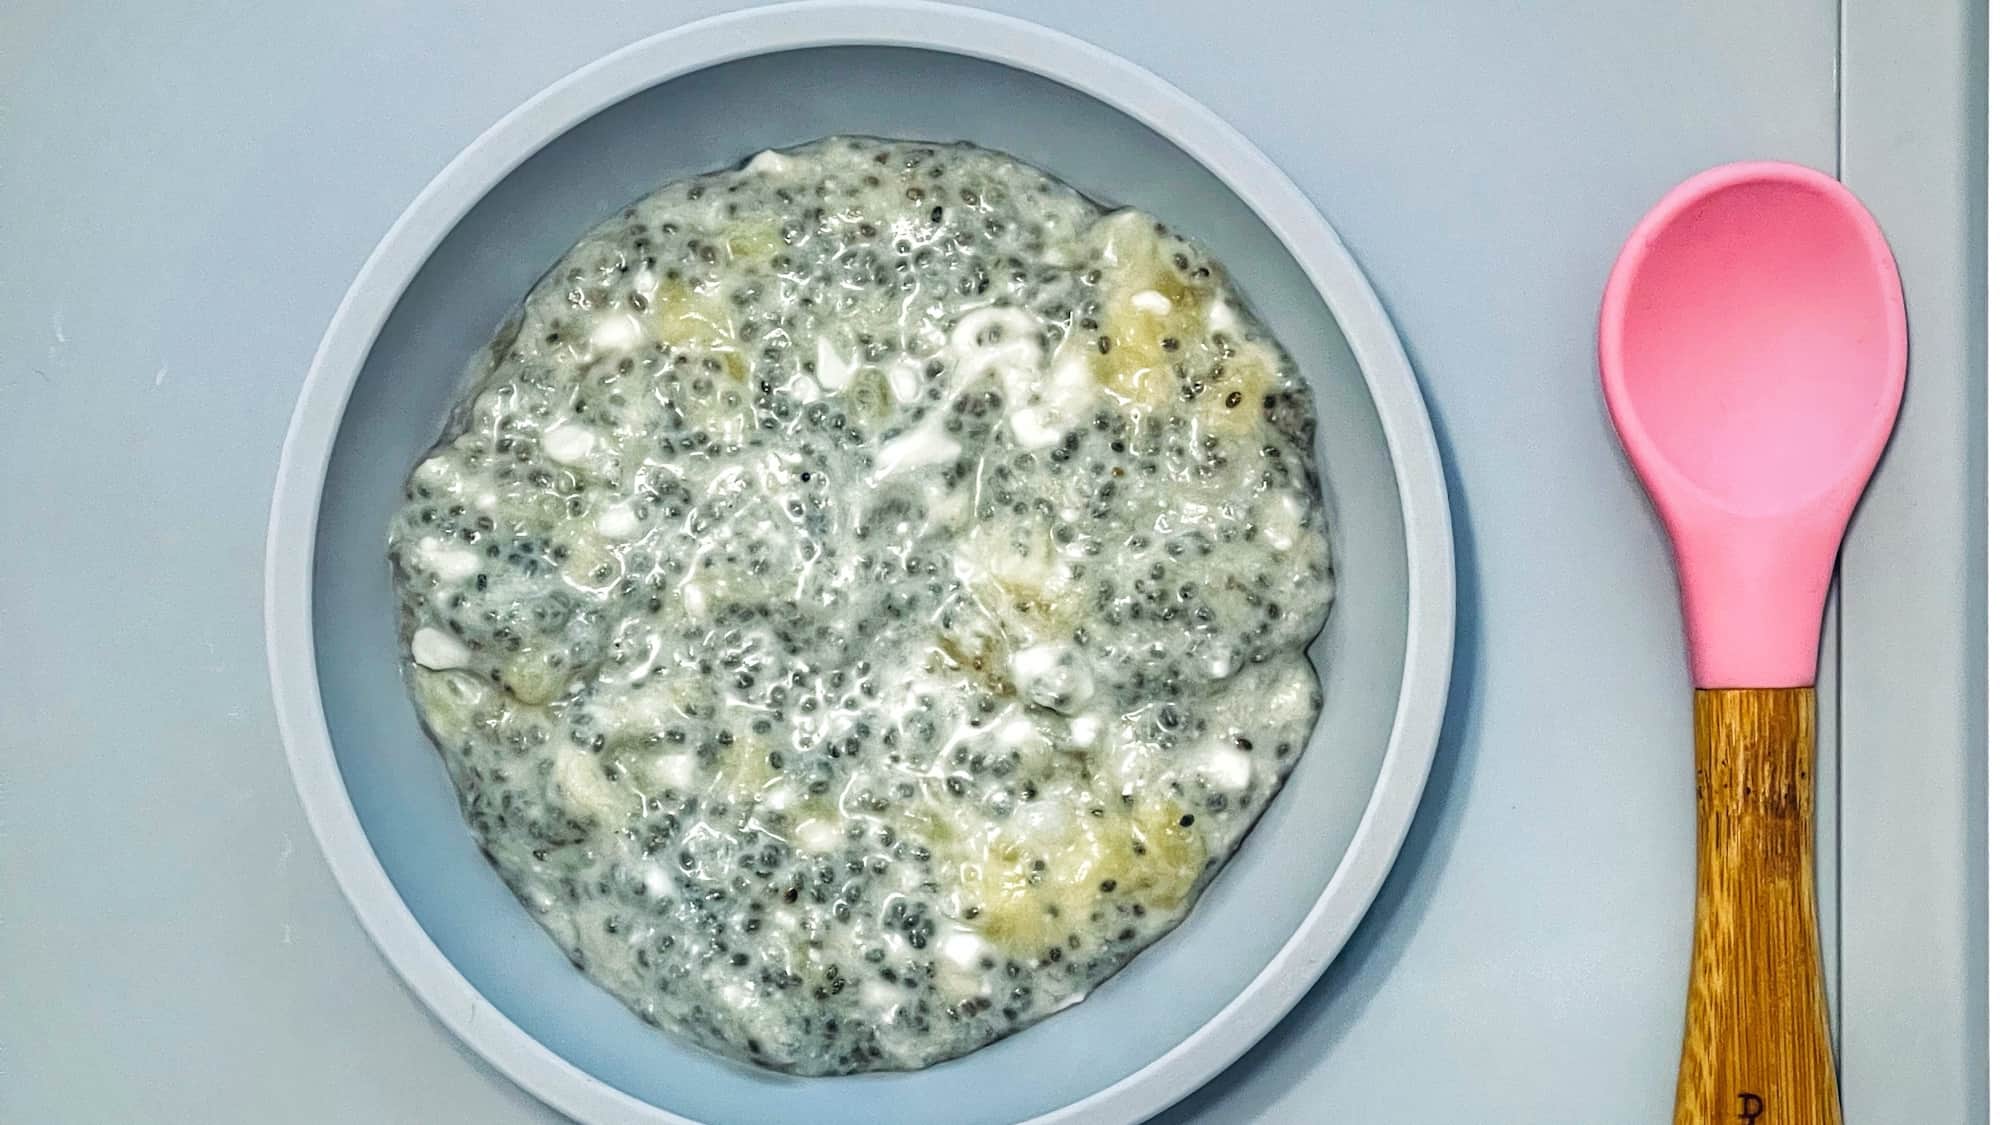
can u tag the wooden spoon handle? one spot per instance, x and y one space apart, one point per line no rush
1757 1049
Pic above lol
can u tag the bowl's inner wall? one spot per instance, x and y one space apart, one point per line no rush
717 117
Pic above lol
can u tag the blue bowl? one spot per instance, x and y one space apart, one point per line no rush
704 97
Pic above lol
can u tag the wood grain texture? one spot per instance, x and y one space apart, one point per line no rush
1757 1049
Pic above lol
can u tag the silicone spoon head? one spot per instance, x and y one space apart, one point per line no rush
1753 345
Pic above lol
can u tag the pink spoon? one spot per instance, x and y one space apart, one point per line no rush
1753 347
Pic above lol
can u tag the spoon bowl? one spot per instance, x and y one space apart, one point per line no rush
1760 330
1753 348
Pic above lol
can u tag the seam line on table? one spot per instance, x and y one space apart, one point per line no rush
1840 602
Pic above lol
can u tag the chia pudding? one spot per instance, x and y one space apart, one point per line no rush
860 598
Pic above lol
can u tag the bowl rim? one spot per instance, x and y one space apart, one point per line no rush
1013 42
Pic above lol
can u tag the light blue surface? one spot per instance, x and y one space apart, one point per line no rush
1912 622
186 190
